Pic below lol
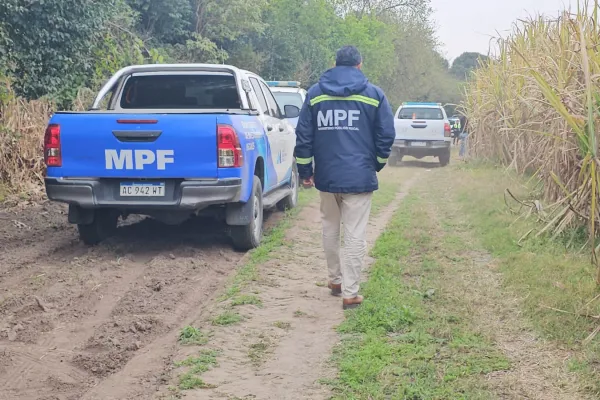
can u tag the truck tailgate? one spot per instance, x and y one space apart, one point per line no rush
419 129
103 145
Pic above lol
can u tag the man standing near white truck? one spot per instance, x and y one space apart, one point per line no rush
347 126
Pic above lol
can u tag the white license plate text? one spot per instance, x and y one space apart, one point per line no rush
142 190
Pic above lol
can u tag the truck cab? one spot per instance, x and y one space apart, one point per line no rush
171 142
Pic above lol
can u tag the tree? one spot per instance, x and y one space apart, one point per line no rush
118 45
465 63
374 38
298 41
217 27
443 62
55 47
164 21
379 7
49 44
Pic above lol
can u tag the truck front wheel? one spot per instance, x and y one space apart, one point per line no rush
248 237
103 226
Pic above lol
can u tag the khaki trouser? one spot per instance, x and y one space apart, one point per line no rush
352 211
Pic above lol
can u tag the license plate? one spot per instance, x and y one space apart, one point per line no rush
142 189
418 144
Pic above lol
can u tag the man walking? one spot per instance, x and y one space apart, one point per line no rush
347 127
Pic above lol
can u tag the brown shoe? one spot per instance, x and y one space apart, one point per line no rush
349 304
336 289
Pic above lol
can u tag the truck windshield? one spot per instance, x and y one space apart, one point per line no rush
197 91
288 99
421 113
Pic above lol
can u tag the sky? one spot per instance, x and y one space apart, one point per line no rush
468 25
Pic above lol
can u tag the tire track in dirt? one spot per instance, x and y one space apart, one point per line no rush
30 373
72 316
32 232
539 368
280 350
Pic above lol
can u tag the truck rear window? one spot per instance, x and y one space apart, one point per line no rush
421 113
210 91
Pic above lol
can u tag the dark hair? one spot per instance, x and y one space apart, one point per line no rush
348 56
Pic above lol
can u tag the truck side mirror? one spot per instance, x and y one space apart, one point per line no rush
291 111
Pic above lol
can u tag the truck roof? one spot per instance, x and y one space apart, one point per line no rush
188 66
286 89
282 84
417 104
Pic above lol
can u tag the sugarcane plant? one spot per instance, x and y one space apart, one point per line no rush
535 109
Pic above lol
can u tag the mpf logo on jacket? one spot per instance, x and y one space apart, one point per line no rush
127 159
338 120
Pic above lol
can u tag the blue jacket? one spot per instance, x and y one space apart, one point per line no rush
346 127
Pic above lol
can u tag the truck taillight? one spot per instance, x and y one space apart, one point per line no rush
52 155
229 150
447 130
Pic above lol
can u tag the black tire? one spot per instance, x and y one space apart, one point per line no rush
102 227
248 237
445 158
291 201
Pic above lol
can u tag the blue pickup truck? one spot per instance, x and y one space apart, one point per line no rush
171 142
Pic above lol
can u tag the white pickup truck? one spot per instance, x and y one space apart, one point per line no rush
422 130
288 93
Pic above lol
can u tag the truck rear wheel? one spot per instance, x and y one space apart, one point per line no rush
291 201
394 160
445 158
103 226
248 237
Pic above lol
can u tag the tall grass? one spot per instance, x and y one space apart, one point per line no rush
535 108
22 127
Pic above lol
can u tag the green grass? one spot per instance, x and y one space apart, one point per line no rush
384 196
227 318
201 363
300 314
198 365
409 341
540 271
258 351
286 326
190 336
246 299
189 382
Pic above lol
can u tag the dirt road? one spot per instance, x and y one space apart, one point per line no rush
102 322
72 316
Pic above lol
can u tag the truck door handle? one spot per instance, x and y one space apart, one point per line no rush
137 136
